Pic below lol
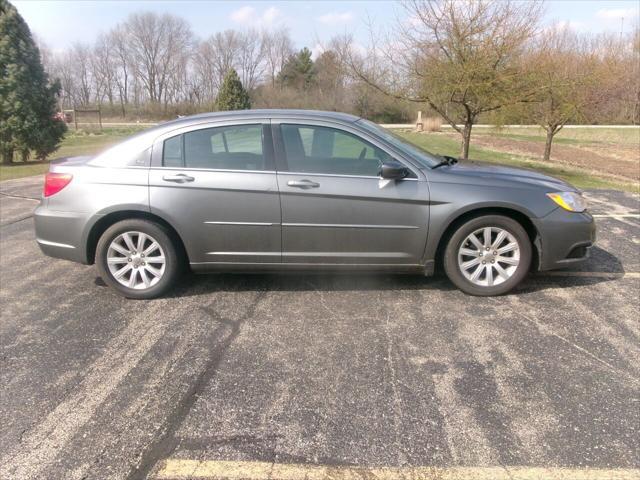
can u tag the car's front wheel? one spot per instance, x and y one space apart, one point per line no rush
488 255
137 258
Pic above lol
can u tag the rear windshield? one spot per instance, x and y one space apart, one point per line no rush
132 152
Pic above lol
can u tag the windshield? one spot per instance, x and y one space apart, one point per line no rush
421 156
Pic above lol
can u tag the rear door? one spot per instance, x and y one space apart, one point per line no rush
335 208
216 184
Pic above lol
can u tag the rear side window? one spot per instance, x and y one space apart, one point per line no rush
237 147
172 152
324 150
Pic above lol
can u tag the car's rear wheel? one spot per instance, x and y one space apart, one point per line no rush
488 255
137 258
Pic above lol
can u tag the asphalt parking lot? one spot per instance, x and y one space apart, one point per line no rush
303 376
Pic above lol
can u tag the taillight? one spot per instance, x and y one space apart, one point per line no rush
54 182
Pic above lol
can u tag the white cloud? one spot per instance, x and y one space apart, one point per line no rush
334 18
249 16
271 15
244 14
316 51
569 24
617 13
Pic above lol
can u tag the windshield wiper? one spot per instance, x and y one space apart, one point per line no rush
446 160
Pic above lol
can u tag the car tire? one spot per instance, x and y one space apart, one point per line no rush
495 276
110 258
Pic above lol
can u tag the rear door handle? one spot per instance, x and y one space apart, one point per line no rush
178 178
303 184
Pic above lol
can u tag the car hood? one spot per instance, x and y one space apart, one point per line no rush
467 171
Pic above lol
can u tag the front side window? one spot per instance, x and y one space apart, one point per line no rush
324 150
423 157
237 147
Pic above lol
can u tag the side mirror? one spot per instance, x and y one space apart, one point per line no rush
393 170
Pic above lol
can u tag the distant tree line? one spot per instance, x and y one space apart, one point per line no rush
152 66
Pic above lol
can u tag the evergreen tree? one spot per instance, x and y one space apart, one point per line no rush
232 95
299 71
27 100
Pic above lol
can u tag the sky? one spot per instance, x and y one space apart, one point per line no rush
61 23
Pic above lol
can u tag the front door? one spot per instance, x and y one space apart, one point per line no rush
216 184
335 208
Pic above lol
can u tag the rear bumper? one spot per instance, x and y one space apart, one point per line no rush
60 234
565 238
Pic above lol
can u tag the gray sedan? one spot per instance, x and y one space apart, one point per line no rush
266 190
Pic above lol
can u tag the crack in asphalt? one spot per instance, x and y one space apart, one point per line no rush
13 195
397 400
22 197
16 221
166 442
545 329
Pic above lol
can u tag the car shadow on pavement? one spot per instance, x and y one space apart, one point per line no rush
192 284
601 262
601 267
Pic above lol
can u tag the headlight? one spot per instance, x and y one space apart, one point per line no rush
571 201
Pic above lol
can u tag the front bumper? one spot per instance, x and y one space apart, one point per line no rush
564 238
60 234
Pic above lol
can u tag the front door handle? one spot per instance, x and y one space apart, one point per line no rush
178 178
303 184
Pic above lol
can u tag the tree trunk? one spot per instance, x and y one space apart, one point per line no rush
466 140
547 145
636 110
7 156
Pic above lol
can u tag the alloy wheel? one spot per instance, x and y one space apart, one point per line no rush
489 256
136 260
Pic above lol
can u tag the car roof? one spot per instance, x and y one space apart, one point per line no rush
260 113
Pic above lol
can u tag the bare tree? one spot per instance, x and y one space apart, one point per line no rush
80 62
242 51
566 73
157 45
618 60
458 57
330 82
250 59
224 48
103 69
277 47
120 62
634 72
205 72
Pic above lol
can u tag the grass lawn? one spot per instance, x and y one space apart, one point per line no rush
568 136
